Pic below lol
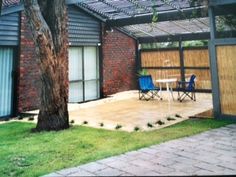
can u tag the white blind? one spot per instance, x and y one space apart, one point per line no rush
90 63
75 63
6 66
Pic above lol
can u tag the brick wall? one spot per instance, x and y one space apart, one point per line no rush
28 77
119 67
28 88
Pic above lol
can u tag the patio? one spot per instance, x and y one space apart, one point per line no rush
126 110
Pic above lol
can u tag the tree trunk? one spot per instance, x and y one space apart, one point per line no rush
48 25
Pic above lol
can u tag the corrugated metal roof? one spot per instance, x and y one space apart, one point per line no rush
8 3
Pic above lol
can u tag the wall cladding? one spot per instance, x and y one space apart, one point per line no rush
83 30
119 65
9 29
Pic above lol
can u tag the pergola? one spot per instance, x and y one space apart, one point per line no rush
177 20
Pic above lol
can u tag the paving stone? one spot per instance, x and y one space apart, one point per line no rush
143 163
53 175
119 164
163 170
231 166
187 155
203 173
208 166
190 169
80 173
109 172
93 167
68 171
126 174
150 151
133 153
177 173
139 171
145 156
225 158
185 160
107 160
164 161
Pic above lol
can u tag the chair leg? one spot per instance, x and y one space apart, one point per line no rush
194 96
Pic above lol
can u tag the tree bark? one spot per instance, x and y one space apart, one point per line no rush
48 25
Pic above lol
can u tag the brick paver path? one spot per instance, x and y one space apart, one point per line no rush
209 153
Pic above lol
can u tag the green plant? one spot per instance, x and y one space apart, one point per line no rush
85 122
142 72
159 122
136 129
20 118
72 121
101 124
149 125
177 115
170 118
118 127
31 118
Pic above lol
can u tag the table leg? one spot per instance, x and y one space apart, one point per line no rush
160 94
168 90
171 90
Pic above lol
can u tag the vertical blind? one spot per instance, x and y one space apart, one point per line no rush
6 66
91 74
75 74
83 74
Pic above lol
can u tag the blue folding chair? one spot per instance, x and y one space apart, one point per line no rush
147 90
188 89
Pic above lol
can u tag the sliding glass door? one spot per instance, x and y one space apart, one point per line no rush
83 74
6 81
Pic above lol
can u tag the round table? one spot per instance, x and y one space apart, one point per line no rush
168 83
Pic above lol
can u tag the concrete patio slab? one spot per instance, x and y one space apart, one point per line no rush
127 110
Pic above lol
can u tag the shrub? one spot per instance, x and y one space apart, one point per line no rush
72 121
101 124
159 122
149 125
177 115
170 118
85 122
136 129
30 118
118 127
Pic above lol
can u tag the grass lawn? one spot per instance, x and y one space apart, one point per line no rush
33 154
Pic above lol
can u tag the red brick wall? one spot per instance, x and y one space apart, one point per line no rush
28 77
119 67
28 89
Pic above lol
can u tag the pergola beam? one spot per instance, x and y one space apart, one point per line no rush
116 8
176 37
68 2
221 2
137 4
162 16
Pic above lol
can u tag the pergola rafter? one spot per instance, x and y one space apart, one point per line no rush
117 8
138 5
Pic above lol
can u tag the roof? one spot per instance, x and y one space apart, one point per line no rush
185 19
9 3
117 9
